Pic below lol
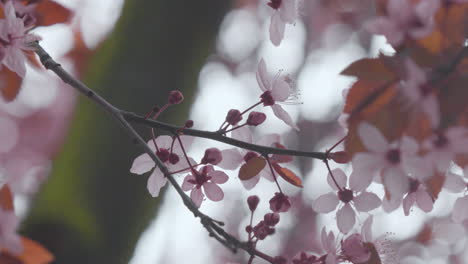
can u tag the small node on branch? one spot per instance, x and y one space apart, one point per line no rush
188 124
156 109
90 94
175 97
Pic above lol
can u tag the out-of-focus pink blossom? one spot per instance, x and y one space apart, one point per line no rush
329 244
405 19
346 215
418 195
277 89
170 154
14 39
9 239
208 179
285 13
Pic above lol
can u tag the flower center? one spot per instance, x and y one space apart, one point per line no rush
275 4
163 154
345 195
267 98
393 156
413 187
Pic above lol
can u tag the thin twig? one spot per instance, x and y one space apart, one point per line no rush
212 226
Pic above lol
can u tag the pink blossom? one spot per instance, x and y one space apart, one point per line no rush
280 203
208 178
9 239
277 89
170 154
444 145
418 195
345 216
329 244
391 161
405 19
14 39
419 92
285 13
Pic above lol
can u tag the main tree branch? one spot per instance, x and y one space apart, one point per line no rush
212 226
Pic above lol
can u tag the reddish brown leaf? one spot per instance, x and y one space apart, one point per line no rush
288 175
366 97
376 69
34 253
50 13
6 198
6 258
252 168
434 184
10 84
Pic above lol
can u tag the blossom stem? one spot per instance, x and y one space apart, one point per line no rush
335 145
273 173
186 156
333 177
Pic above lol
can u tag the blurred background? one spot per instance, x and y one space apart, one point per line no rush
85 206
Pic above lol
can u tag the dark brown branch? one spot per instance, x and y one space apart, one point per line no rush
212 226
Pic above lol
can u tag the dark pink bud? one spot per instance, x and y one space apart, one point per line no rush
175 97
253 201
156 109
280 203
280 260
189 123
248 229
233 117
173 158
271 219
212 156
256 118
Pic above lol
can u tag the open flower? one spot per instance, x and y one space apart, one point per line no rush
13 40
285 13
345 216
208 178
170 153
277 89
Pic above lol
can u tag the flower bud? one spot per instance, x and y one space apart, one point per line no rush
233 117
253 201
189 123
173 158
271 219
340 157
175 97
212 156
256 118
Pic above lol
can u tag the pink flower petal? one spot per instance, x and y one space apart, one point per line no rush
231 159
197 196
346 217
155 182
396 182
366 230
218 177
460 210
372 139
263 79
142 164
213 191
454 183
242 134
408 202
340 178
424 201
366 201
250 183
283 115
430 106
326 203
277 27
288 11
280 89
186 185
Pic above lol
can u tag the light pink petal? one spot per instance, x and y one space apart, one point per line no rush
269 140
395 181
163 141
424 201
9 134
399 9
287 11
345 217
155 182
186 142
218 177
323 237
431 108
366 230
213 191
242 134
232 159
263 78
186 185
277 27
15 61
360 180
266 173
326 203
197 196
283 115
372 139
280 89
250 183
386 27
331 259
142 164
340 177
391 205
460 210
408 202
418 167
366 201
181 165
454 183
